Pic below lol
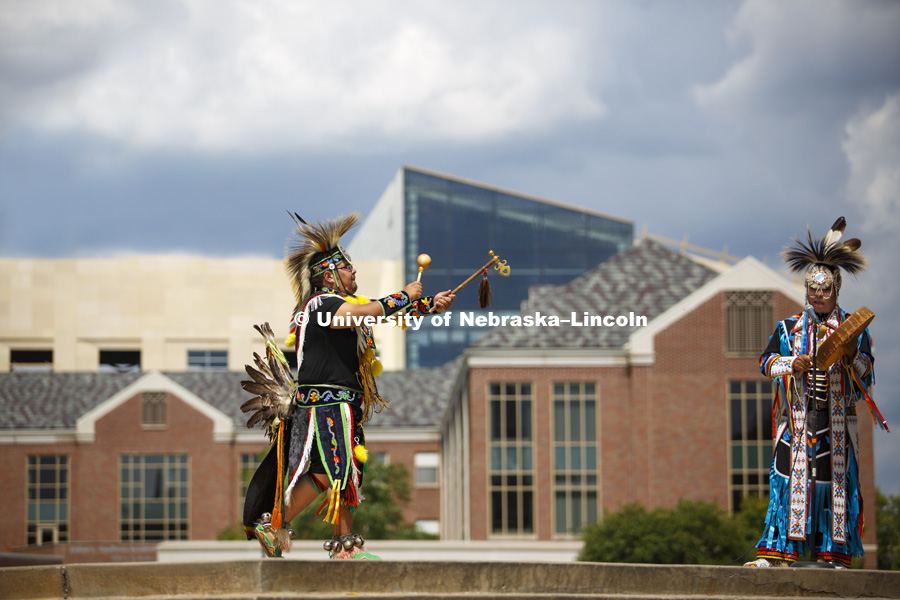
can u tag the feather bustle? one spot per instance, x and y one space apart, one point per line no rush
272 385
256 375
255 388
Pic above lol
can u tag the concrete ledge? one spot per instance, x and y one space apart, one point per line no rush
32 583
494 550
273 578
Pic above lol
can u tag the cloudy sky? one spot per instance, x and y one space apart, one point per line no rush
189 126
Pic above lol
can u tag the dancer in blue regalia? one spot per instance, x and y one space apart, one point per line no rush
815 502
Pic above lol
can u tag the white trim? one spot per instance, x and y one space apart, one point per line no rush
257 435
154 381
749 274
37 436
402 434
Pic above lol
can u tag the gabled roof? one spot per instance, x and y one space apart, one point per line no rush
50 400
62 401
645 280
55 400
748 274
416 397
154 381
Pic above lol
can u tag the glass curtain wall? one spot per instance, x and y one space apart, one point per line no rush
458 223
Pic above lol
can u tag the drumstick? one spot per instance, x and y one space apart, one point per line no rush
424 262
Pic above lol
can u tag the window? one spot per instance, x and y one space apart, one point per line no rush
154 497
154 410
575 465
511 469
207 360
249 464
31 360
429 526
426 468
459 221
48 499
748 316
751 445
120 361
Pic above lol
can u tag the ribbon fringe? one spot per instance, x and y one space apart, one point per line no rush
278 510
873 408
334 504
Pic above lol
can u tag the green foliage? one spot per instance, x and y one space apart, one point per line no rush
231 534
752 516
692 533
380 516
887 516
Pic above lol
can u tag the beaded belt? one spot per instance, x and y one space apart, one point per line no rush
323 395
823 405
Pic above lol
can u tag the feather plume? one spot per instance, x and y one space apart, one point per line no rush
852 244
837 230
826 251
272 384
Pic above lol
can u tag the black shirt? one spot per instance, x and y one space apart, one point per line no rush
329 355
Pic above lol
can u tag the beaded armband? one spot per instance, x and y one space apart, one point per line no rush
423 305
781 366
394 303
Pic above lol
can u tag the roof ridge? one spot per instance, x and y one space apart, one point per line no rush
648 278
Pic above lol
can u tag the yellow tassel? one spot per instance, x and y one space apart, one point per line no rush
356 299
327 518
377 368
361 454
337 512
291 340
334 503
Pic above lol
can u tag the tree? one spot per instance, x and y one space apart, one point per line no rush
887 516
380 516
692 533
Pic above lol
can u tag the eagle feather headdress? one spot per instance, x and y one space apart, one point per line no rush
320 241
829 251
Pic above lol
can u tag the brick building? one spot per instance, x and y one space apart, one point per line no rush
101 466
555 425
88 345
533 432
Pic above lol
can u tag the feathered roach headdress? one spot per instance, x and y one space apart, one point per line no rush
315 249
823 258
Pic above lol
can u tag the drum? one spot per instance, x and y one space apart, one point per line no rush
844 336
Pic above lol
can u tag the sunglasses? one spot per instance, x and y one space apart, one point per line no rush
821 292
